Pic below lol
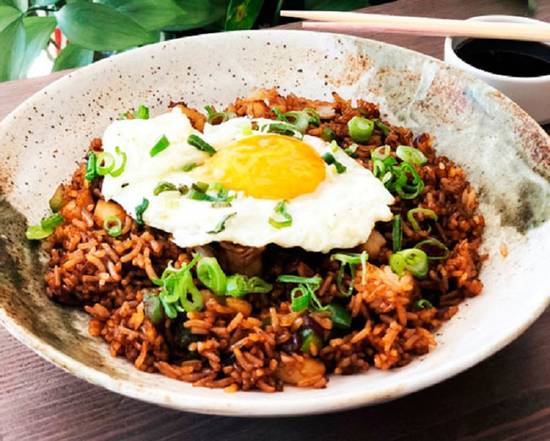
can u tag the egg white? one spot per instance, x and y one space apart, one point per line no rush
340 213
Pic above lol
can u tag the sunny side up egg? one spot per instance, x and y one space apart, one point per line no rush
262 188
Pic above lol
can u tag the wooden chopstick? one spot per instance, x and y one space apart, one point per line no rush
353 22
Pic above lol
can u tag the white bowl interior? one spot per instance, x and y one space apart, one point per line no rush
505 153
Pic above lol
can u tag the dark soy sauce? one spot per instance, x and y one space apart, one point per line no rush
506 57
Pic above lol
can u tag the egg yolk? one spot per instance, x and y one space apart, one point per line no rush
267 167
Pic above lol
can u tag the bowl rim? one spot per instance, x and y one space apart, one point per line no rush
449 52
300 404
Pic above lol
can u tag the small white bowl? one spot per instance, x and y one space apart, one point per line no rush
532 93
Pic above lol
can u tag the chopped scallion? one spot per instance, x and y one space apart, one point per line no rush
330 160
381 152
112 225
200 144
211 275
161 145
349 260
425 212
91 167
239 286
397 233
383 127
45 228
221 224
281 218
140 209
142 112
423 304
327 134
105 162
189 166
429 245
413 260
411 155
214 117
360 129
117 172
164 186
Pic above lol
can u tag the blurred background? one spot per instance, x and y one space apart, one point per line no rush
41 36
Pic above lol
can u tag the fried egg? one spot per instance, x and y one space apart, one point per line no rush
253 179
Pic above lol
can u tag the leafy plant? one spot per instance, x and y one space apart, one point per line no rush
98 28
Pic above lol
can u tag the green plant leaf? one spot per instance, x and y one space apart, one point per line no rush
8 14
153 15
73 56
198 13
12 50
335 5
101 27
241 14
37 35
44 2
22 5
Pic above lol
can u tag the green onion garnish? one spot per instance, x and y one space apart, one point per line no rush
423 304
200 144
339 315
211 275
289 278
189 166
351 149
164 186
299 119
360 129
179 293
215 193
162 144
281 218
426 212
349 260
413 260
299 298
112 225
397 233
303 295
91 167
45 228
411 155
239 286
282 128
152 307
105 162
330 159
140 209
402 179
309 338
430 244
214 117
117 172
221 224
404 189
142 112
381 152
327 134
380 125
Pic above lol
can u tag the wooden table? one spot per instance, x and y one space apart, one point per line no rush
507 397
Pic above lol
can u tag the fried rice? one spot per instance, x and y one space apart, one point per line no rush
255 342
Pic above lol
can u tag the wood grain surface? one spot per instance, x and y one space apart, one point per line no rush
505 398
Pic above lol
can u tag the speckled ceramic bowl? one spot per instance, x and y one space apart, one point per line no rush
505 153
